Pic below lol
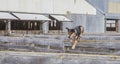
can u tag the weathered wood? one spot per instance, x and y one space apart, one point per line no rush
87 52
38 49
27 48
37 41
57 44
56 58
15 46
108 45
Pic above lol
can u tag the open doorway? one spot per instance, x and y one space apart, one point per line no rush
2 25
55 25
112 25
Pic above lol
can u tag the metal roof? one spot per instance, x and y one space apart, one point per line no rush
35 17
6 15
60 18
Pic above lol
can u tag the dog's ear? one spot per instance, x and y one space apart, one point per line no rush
67 28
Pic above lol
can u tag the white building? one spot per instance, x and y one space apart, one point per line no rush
27 13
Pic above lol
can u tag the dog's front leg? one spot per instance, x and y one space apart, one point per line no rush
74 44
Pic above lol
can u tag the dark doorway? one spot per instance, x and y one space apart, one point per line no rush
112 25
55 25
25 25
2 25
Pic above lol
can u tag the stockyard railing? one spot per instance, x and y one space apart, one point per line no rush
108 44
40 49
34 43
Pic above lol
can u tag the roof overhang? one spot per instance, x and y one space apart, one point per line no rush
6 16
32 17
60 18
112 16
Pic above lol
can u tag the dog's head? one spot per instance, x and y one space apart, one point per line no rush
70 32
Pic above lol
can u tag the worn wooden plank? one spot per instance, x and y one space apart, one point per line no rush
27 48
38 49
15 47
37 41
108 45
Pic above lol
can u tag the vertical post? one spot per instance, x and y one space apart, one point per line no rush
116 25
45 27
8 27
119 26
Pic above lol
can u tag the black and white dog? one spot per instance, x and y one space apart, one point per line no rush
75 34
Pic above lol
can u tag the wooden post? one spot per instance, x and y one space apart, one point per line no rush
48 47
116 25
8 27
45 27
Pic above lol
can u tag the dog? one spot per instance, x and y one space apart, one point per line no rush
75 34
